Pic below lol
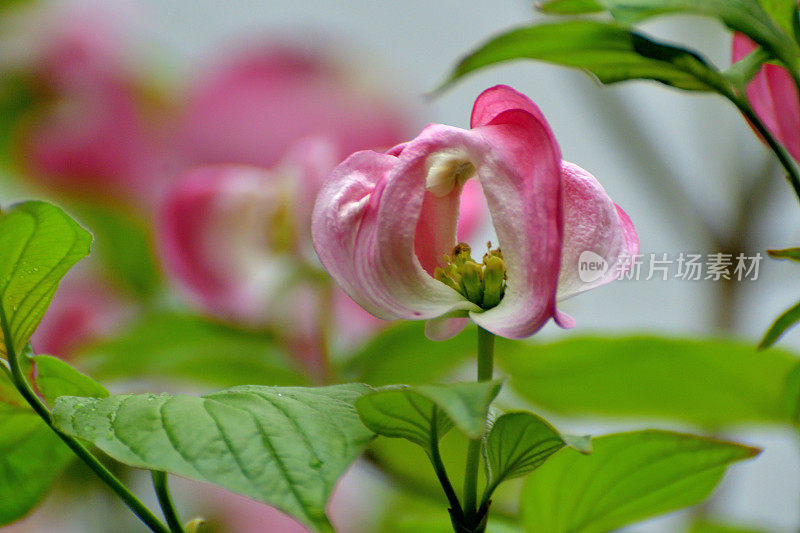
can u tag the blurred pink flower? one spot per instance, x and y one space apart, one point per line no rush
234 236
95 131
83 310
383 221
97 141
773 96
80 42
252 108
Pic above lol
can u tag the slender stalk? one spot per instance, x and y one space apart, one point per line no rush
24 387
418 487
485 371
161 486
327 374
783 156
441 472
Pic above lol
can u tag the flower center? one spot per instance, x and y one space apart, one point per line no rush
446 169
481 283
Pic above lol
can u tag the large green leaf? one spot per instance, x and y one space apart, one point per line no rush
189 348
711 382
607 50
55 378
40 243
402 354
419 413
627 478
284 446
31 458
519 443
746 16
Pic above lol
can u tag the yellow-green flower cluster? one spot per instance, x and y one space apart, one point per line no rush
481 283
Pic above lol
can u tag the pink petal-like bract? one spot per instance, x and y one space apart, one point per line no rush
383 220
773 96
593 224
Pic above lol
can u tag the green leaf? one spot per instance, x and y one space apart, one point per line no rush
570 7
125 245
519 443
791 394
31 454
31 458
56 378
280 445
192 349
788 319
413 413
782 12
40 243
711 383
786 253
628 477
609 51
746 16
402 354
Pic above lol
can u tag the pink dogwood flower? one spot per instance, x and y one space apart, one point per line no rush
773 96
95 131
384 224
237 238
96 142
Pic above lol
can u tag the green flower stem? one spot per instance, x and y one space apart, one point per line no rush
161 486
441 472
21 383
485 371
